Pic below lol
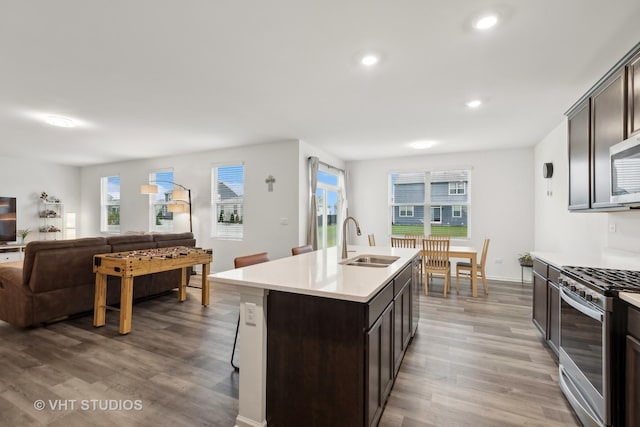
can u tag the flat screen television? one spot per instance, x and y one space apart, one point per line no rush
8 219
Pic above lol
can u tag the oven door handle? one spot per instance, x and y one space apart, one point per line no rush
582 308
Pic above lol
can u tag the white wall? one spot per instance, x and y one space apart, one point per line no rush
25 179
583 233
501 201
264 211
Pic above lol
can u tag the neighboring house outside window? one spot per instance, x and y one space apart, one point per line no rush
160 219
227 201
110 204
448 202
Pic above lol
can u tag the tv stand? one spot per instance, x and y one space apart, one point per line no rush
11 252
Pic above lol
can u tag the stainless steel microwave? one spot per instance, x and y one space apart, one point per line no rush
625 171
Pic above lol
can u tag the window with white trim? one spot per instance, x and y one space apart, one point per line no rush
160 219
436 214
109 204
406 211
456 211
227 201
458 187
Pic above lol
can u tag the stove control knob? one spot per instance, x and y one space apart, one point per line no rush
574 288
590 297
583 293
594 298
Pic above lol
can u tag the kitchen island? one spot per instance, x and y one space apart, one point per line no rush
321 341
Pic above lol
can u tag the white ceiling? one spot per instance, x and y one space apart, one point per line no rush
149 78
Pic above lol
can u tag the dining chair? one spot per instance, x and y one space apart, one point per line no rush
403 242
438 237
435 260
372 240
301 250
464 269
239 262
418 237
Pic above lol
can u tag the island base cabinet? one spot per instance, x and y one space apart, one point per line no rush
379 371
315 361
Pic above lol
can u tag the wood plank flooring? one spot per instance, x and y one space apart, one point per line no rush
474 362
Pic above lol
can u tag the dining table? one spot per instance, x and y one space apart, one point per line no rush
471 254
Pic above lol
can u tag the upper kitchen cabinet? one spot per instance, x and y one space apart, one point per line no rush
604 116
579 136
608 128
633 90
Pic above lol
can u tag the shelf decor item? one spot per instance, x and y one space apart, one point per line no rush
23 233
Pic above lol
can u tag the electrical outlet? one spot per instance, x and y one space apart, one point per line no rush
612 228
250 313
498 260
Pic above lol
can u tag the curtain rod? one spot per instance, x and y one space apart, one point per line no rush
328 165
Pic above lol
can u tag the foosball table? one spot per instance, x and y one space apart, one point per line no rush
128 265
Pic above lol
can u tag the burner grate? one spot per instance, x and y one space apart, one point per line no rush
608 278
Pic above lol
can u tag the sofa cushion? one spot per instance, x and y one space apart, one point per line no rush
33 248
131 242
165 240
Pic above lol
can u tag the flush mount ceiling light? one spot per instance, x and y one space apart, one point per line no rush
422 145
474 103
59 121
369 60
486 21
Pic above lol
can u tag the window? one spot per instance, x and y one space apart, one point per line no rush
329 197
109 204
457 188
436 214
441 199
406 211
407 203
227 201
160 219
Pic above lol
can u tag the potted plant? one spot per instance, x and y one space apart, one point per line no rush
23 233
525 260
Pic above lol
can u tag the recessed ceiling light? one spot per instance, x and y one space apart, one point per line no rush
474 104
63 122
485 22
369 60
422 145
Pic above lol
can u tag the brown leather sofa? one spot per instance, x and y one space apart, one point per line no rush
56 277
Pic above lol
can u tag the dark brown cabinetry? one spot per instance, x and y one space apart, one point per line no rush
553 307
604 116
632 366
540 296
546 303
579 175
633 90
333 362
608 128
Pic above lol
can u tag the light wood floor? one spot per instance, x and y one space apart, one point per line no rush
475 362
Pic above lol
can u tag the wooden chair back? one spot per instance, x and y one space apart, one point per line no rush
403 242
436 255
301 250
418 237
438 237
247 260
485 249
372 240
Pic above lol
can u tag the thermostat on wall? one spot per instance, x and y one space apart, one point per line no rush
547 170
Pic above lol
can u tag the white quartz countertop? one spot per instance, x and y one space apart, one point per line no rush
320 273
631 298
620 260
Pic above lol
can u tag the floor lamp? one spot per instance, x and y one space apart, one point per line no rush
182 194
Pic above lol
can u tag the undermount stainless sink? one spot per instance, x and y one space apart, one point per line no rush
371 260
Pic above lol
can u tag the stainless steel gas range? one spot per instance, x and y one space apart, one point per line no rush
591 350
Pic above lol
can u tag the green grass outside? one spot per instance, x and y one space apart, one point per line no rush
331 237
438 230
